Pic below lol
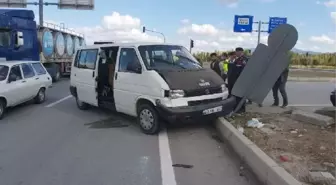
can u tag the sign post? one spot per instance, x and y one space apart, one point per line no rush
244 24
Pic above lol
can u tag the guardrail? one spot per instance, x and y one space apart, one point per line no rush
62 28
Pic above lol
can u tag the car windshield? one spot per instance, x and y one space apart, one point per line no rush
167 57
3 72
4 38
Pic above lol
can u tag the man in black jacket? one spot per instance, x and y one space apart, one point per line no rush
215 64
280 85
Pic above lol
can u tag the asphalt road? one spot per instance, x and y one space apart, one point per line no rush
57 144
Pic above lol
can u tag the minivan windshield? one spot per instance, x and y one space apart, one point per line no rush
4 38
167 57
3 72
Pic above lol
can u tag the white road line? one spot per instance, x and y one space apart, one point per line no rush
167 171
310 105
58 101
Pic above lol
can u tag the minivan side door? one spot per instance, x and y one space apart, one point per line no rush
85 76
128 80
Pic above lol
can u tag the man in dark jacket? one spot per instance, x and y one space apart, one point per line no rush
215 64
235 71
280 85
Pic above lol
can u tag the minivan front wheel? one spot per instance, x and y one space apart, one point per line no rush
81 105
148 119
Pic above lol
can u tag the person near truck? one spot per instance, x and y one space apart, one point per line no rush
224 63
215 64
280 85
235 71
230 80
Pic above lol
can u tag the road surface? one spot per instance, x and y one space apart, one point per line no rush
57 144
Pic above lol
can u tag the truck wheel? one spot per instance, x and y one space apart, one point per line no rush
2 109
40 97
81 105
148 119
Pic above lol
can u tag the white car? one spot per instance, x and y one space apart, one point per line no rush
146 81
22 81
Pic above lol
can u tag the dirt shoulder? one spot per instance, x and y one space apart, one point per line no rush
297 146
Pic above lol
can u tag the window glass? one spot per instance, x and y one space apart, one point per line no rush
39 68
27 70
127 56
5 38
15 70
87 59
91 58
3 72
81 61
77 58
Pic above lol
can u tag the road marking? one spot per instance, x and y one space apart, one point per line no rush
309 105
167 171
58 101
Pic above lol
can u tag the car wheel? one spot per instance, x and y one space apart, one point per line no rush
2 109
81 105
40 97
148 119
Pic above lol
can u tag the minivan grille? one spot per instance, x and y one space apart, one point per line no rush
204 91
202 102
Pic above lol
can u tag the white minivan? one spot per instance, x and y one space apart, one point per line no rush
148 81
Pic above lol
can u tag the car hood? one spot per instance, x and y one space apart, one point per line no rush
191 79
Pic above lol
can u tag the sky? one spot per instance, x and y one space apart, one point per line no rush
209 23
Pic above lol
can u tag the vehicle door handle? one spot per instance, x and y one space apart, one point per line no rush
93 74
74 74
23 81
116 76
37 78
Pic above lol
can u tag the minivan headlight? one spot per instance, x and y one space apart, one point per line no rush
176 94
223 87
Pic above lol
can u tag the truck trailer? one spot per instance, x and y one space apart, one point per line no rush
22 39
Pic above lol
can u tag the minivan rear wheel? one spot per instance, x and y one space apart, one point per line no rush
81 105
148 119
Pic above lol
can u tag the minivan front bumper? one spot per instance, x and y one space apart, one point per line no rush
196 112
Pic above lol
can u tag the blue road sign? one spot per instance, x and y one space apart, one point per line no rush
243 23
275 22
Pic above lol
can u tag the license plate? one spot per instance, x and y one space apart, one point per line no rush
212 110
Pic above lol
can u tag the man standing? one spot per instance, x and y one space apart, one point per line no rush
236 69
232 58
280 85
224 63
215 64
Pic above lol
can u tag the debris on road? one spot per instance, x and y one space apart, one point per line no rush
297 146
183 166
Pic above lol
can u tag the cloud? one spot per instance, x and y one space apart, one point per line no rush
330 3
208 38
230 3
185 21
333 16
118 28
323 39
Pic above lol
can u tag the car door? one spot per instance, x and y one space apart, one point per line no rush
31 80
15 92
86 76
43 79
127 83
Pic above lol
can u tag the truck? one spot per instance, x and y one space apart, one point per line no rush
22 39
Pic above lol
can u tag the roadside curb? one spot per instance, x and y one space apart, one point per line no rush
300 79
265 168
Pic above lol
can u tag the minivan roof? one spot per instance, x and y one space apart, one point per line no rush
130 44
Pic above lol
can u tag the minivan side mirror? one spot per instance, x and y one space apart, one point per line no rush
134 67
11 78
19 39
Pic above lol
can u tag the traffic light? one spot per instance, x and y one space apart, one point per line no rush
143 29
191 43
